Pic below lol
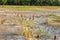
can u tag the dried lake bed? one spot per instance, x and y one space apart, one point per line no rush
12 25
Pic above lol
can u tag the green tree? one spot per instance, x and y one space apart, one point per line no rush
0 2
25 2
31 2
10 2
17 2
4 2
56 3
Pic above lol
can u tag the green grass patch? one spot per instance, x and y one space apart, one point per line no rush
30 8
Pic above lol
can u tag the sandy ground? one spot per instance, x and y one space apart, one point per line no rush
5 28
13 13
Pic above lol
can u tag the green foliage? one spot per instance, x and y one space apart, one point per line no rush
0 2
4 2
39 32
31 2
10 2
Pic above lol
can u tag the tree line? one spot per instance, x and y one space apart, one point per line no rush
31 2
